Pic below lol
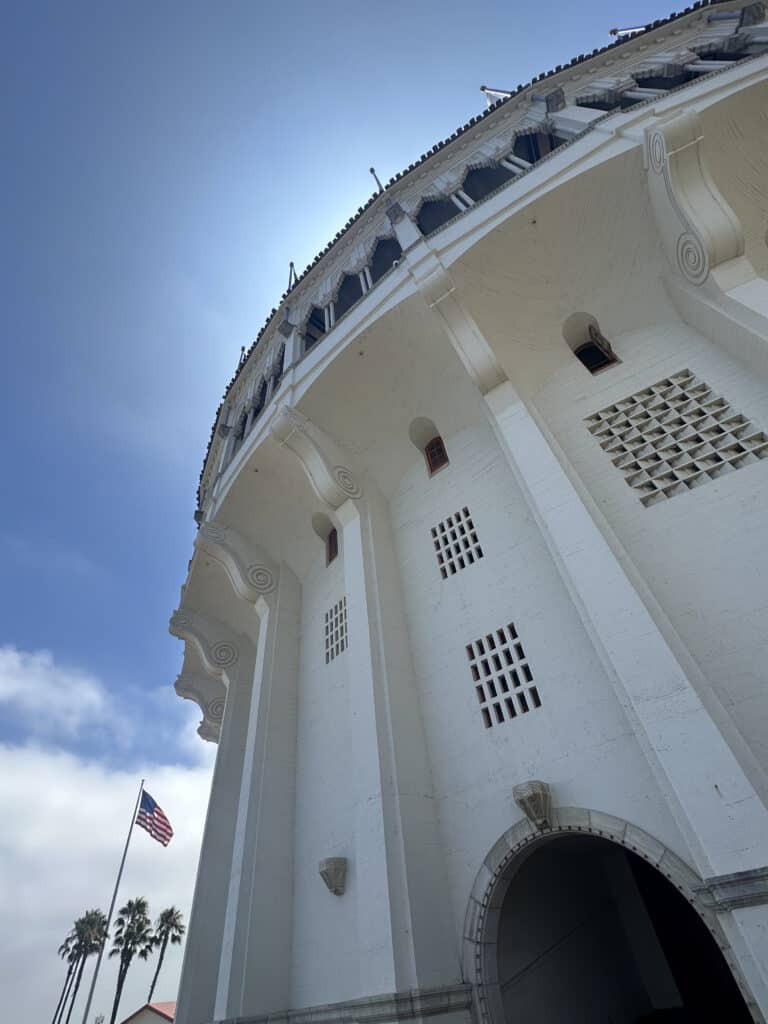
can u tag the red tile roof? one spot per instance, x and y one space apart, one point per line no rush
166 1011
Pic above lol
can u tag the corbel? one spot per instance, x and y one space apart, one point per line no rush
246 566
210 695
699 231
216 644
331 481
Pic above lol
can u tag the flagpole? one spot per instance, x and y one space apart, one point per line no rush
112 905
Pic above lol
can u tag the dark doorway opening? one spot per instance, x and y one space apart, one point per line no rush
589 931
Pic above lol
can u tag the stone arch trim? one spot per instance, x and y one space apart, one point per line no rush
508 855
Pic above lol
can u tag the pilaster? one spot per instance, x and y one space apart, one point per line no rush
229 658
254 968
400 878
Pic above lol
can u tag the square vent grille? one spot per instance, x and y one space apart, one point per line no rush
336 630
502 676
456 543
675 435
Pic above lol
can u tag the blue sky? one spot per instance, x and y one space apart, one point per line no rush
162 164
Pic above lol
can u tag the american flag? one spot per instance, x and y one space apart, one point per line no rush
151 818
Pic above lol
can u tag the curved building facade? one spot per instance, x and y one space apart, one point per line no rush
477 606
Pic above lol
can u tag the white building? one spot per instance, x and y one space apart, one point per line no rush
477 609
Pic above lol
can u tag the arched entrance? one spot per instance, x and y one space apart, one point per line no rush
574 927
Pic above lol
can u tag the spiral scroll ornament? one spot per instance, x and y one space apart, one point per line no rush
692 258
215 709
223 653
656 152
260 578
347 482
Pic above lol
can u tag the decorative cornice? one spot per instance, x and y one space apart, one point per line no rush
381 1009
698 228
741 889
214 642
210 694
332 482
245 565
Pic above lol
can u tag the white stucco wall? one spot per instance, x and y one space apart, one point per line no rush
579 740
703 554
325 943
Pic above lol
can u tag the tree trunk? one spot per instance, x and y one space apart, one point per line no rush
63 995
159 965
77 986
69 989
118 990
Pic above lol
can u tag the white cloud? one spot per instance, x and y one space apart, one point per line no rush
65 818
65 822
48 698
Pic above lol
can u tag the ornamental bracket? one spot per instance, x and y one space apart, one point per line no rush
246 566
331 481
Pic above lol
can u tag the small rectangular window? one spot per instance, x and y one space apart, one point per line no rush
435 454
331 547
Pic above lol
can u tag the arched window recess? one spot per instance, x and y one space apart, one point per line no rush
434 213
480 182
583 336
425 436
317 324
276 372
328 534
350 292
240 429
385 255
536 143
259 400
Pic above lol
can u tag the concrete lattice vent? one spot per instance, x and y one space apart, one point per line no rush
675 435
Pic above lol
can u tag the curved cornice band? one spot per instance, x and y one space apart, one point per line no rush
248 570
331 481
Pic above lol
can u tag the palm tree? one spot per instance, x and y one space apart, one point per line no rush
90 936
65 952
133 937
169 927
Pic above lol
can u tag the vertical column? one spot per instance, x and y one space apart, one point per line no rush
255 960
401 888
197 990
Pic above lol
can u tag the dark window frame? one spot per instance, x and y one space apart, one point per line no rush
331 546
596 354
435 454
